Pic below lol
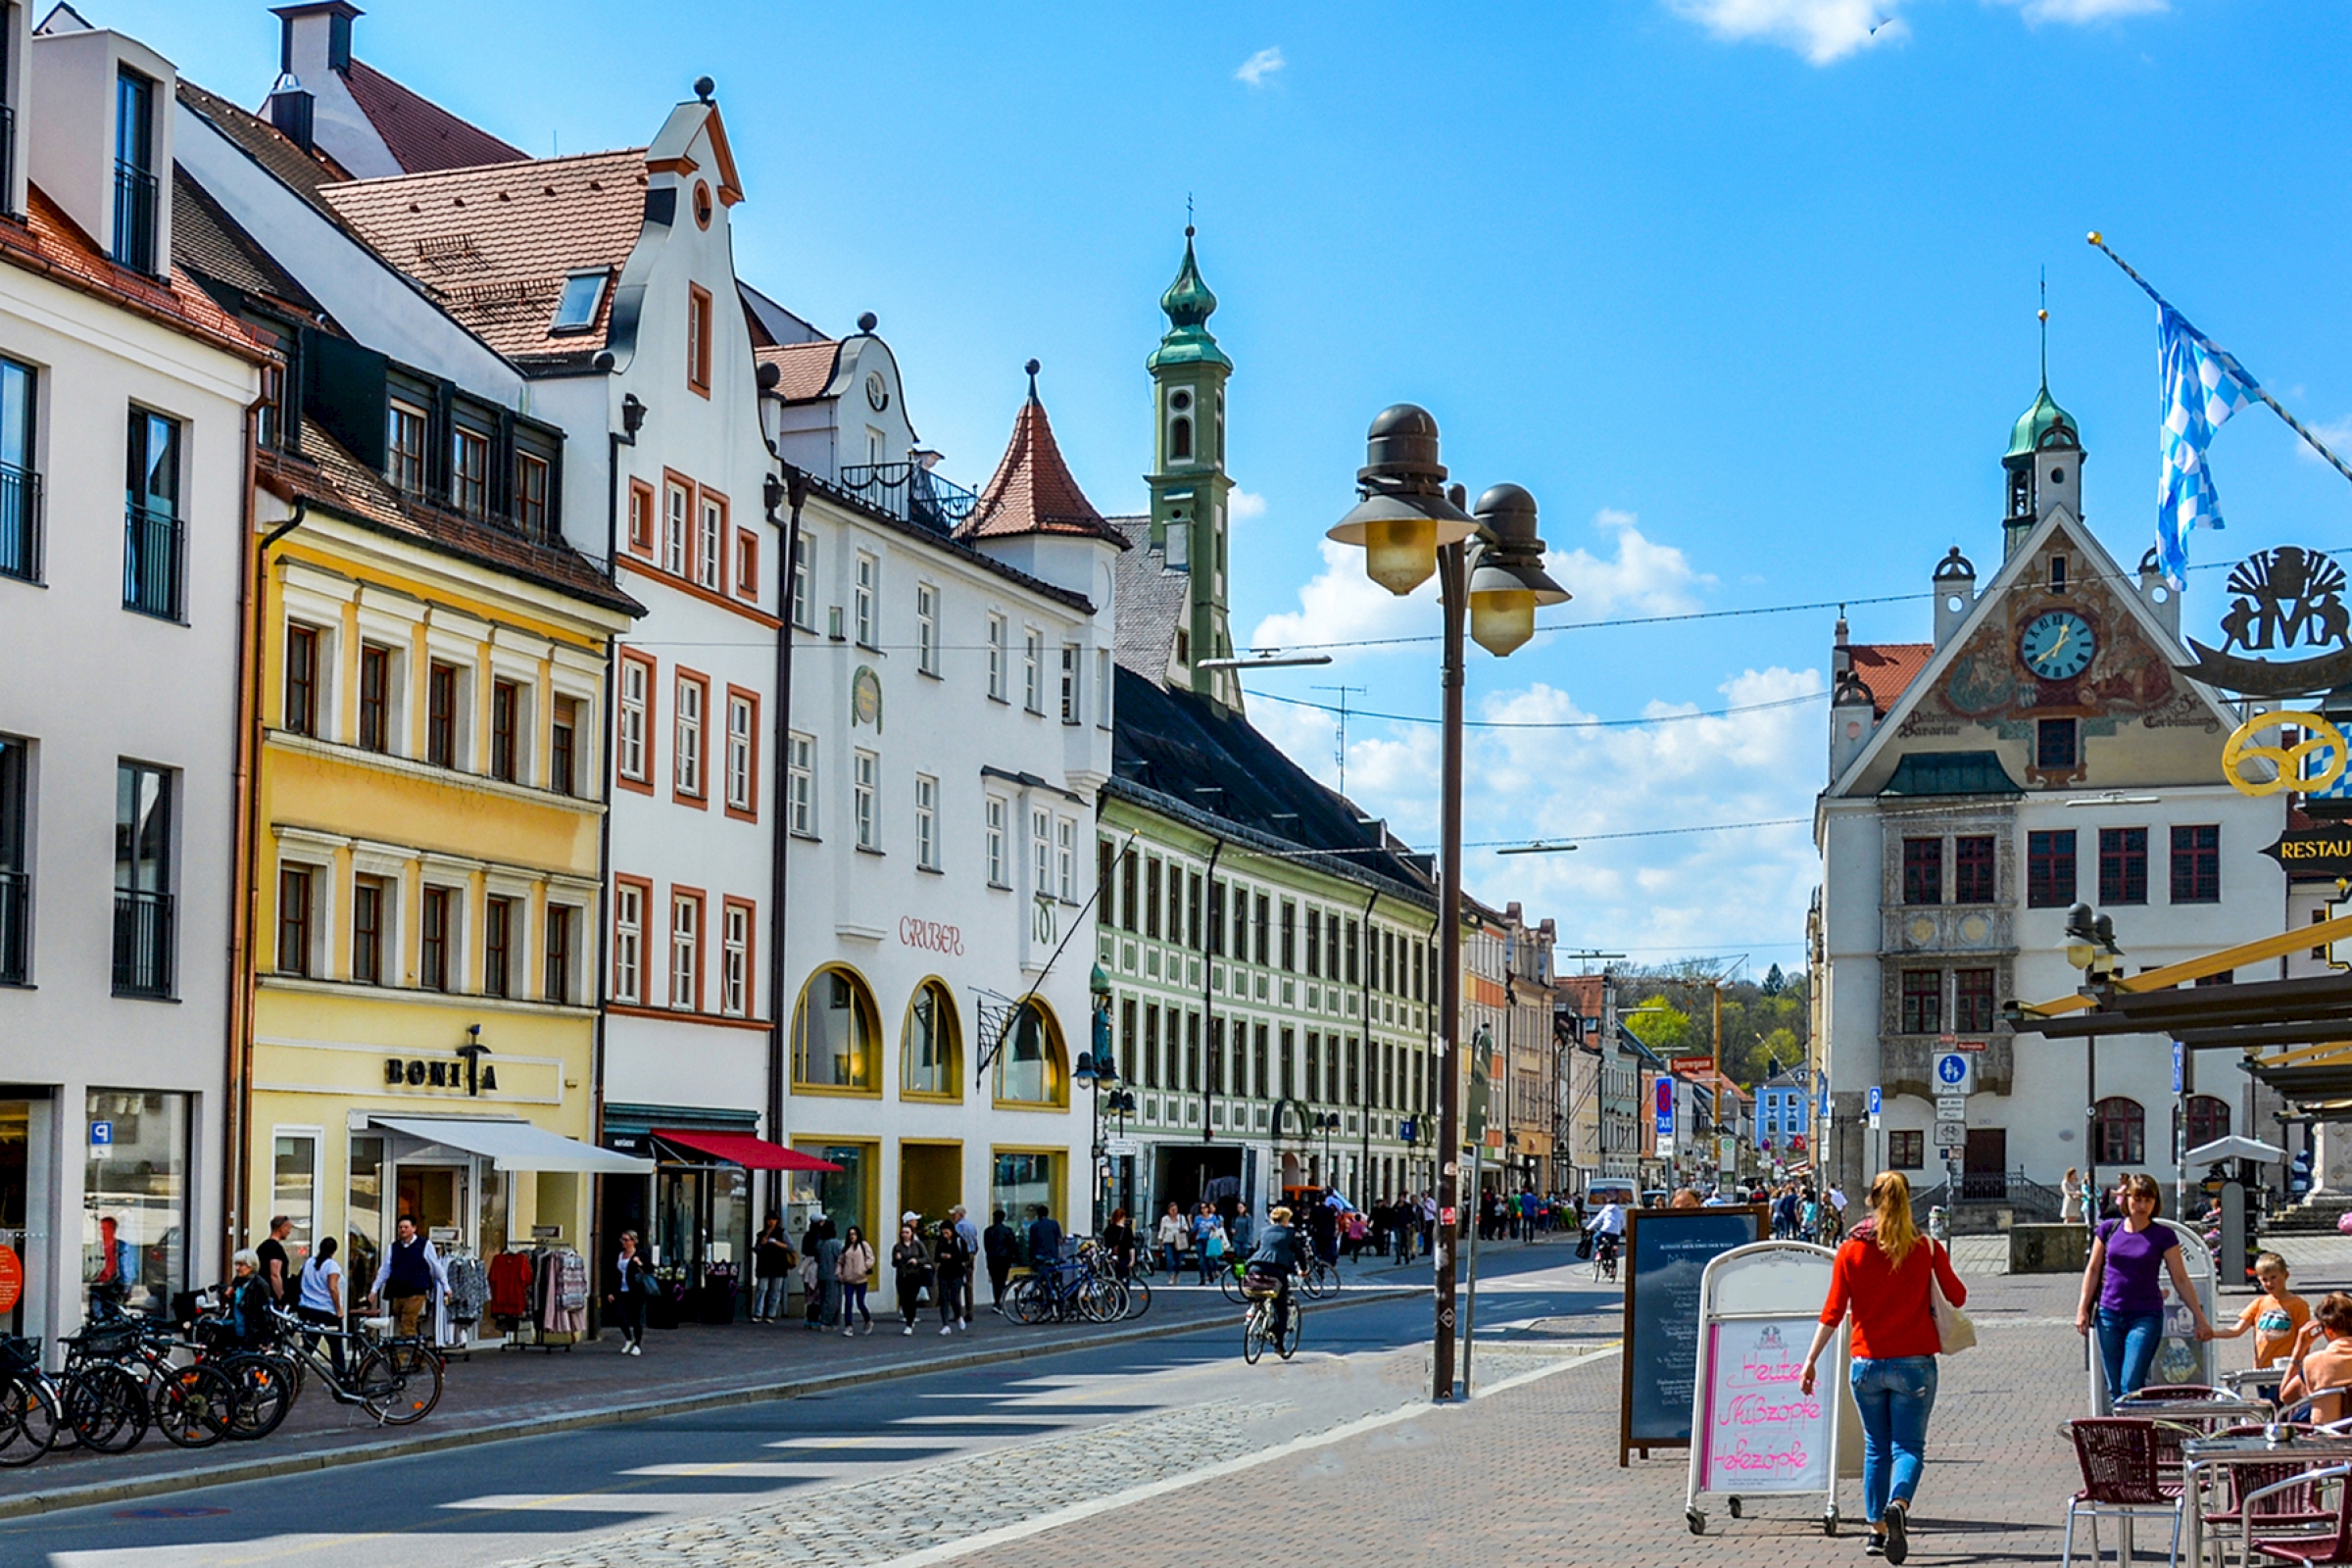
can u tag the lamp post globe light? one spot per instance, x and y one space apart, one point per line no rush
1491 579
1095 1071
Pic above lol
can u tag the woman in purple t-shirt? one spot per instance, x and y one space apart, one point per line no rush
2123 1291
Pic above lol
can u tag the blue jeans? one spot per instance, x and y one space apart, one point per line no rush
2128 1343
1895 1395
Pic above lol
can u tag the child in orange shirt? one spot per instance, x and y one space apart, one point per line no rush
2275 1316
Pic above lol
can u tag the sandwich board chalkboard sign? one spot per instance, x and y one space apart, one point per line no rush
1667 1251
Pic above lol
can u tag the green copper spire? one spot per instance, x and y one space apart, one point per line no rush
1189 305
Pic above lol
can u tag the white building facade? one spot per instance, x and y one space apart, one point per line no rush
119 734
2040 751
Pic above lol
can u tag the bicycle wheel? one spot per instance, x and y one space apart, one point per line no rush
1286 1341
37 1413
264 1394
397 1390
1229 1281
1254 1335
1102 1300
193 1405
1026 1301
16 1449
1139 1298
107 1409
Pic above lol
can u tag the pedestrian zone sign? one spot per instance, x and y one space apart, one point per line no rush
1953 1074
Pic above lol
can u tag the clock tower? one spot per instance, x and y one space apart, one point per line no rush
1188 479
2044 462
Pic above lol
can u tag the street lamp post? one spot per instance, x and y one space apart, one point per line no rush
1094 1071
1328 1122
1410 525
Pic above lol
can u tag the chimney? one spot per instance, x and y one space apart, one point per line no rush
1955 593
314 35
290 111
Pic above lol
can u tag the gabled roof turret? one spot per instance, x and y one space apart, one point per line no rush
1033 490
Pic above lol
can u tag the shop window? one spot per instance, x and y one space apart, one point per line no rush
294 1189
2121 1127
136 1198
834 1033
1032 1069
363 1209
1023 1183
930 1061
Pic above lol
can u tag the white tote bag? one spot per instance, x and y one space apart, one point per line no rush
1955 1330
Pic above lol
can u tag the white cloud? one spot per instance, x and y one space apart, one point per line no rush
1822 31
1612 518
1341 604
2084 11
1653 897
1243 505
1260 65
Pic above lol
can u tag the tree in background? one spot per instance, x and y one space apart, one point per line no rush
1667 1009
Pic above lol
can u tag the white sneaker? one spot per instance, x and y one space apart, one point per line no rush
964 1325
849 1334
946 1328
908 1329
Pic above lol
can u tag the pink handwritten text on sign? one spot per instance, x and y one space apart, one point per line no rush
1763 1433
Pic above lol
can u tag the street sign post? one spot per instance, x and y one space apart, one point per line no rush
1951 1108
1955 1073
1870 1103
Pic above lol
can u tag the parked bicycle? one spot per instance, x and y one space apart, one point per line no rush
1135 1291
396 1380
1066 1293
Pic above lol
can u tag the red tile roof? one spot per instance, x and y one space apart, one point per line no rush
493 243
422 137
803 370
1033 490
333 480
1890 668
52 245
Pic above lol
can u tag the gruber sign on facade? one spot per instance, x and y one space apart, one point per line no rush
931 936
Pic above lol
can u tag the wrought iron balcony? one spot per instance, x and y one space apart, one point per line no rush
135 217
151 562
19 521
16 908
911 491
142 943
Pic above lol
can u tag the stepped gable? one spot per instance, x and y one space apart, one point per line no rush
493 244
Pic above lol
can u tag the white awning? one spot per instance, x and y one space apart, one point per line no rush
2233 1146
516 1145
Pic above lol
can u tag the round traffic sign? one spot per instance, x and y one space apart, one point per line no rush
11 1279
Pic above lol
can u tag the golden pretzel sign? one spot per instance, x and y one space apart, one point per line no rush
2319 736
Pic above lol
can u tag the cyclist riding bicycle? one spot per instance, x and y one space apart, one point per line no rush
1608 1233
1280 1252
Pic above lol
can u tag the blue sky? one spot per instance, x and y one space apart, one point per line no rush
1742 290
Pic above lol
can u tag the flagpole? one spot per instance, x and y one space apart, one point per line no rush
2276 405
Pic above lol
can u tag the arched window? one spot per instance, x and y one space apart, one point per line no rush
1032 1069
835 1032
1180 439
2208 1119
931 1053
2122 1132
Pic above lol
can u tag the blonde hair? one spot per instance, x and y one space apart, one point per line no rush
1890 1208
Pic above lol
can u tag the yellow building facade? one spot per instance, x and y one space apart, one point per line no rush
425 872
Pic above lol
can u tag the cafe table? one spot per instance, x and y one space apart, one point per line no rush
2206 1463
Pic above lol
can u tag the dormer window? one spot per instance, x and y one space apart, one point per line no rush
135 171
576 308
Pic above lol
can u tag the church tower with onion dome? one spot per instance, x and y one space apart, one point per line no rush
1190 521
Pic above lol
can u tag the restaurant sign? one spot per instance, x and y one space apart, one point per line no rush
2316 851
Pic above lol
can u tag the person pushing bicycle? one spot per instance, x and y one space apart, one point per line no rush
1280 1252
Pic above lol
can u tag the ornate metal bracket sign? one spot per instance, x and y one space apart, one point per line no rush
2315 851
2287 599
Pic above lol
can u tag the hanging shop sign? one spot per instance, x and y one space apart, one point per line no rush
2315 851
2287 600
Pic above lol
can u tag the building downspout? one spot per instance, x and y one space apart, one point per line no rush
614 440
1371 1078
794 491
1207 1016
253 597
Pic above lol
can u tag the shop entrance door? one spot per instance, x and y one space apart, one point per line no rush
434 1197
930 1179
25 1175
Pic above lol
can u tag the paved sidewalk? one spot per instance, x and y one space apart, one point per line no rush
493 1389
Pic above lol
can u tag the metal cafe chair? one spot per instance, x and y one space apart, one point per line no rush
2117 1458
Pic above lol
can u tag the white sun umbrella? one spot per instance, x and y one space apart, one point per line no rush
2233 1146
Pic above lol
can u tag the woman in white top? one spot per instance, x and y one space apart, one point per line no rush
2070 1198
1173 1235
320 1300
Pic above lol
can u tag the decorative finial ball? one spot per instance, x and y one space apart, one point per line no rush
867 321
704 87
2041 316
1032 366
1188 231
2094 236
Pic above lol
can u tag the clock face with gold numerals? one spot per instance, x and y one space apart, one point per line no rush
2057 645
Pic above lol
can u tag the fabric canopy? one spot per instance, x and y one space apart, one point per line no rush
516 1145
2233 1148
742 1148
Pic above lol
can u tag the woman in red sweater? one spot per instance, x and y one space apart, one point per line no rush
1882 1277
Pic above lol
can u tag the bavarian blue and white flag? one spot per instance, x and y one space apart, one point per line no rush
2202 387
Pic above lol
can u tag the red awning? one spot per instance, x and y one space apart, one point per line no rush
742 1148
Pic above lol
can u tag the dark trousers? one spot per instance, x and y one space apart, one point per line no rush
320 1317
998 1270
911 1297
628 1310
955 1294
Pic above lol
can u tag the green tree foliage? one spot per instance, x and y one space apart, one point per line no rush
1762 1027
